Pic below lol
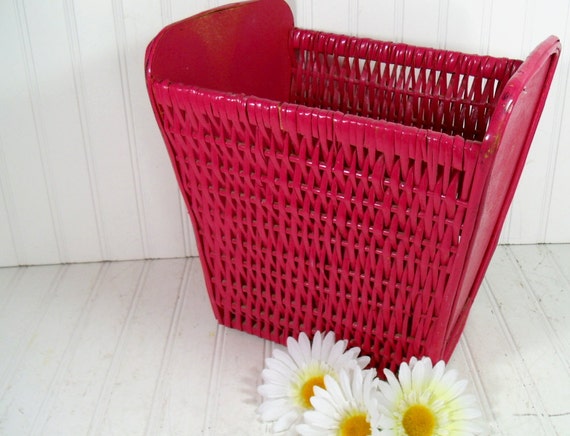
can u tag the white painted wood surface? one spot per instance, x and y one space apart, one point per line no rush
132 348
83 172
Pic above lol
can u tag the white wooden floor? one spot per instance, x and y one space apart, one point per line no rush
132 348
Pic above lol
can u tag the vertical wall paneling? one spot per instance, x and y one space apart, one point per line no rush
353 8
84 175
421 22
166 12
332 15
530 211
378 19
556 226
152 162
304 14
23 181
53 41
127 101
86 143
507 27
467 26
9 253
56 118
109 130
34 71
552 122
442 23
556 207
180 9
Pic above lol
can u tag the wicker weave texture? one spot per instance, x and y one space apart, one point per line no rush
349 208
324 224
444 91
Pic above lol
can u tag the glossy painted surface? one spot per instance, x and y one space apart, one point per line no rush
368 199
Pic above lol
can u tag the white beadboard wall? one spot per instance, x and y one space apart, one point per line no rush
84 175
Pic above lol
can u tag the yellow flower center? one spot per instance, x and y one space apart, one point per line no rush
355 425
419 420
307 390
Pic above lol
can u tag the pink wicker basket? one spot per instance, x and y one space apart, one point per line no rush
338 183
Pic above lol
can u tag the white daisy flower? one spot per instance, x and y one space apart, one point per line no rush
426 400
289 378
347 407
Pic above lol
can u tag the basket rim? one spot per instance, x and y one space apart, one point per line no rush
339 116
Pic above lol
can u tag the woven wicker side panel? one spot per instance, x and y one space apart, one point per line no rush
308 220
439 90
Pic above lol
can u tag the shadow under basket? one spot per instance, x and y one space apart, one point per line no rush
342 184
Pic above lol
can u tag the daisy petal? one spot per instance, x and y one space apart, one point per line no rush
336 352
405 377
285 421
295 351
317 346
327 344
352 397
430 396
270 410
363 361
291 377
280 358
307 430
305 345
